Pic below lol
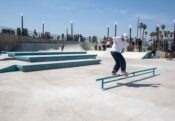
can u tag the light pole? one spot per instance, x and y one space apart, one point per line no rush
22 23
157 42
71 22
174 35
67 33
130 28
115 23
138 26
43 22
107 31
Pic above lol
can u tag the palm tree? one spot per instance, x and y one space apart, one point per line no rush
171 34
144 27
151 34
141 26
157 31
146 34
162 42
165 34
168 34
163 28
154 35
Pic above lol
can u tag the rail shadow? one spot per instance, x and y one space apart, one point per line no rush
131 84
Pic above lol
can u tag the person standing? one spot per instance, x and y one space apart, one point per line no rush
153 54
103 45
62 36
118 44
62 47
95 45
108 44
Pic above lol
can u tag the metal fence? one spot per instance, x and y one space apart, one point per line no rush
48 35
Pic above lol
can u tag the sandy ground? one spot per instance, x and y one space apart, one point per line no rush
72 94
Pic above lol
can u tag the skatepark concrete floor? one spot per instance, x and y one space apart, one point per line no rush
72 94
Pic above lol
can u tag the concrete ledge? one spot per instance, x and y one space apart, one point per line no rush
51 65
135 55
54 58
42 53
37 67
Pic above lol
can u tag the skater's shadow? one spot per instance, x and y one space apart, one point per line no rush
132 84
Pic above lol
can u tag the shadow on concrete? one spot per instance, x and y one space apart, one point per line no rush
7 59
131 84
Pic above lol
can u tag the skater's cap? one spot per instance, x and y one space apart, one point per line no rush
125 36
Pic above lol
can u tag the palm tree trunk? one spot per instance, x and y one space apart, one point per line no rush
140 32
163 40
143 35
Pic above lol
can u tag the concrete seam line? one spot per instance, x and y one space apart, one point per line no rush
63 101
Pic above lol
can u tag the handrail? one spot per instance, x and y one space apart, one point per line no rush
130 75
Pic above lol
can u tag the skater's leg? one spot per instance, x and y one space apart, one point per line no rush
116 67
122 63
117 62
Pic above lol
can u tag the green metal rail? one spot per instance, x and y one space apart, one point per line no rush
121 77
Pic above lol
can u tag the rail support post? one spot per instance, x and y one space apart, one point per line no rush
102 84
153 72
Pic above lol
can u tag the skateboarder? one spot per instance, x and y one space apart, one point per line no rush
118 44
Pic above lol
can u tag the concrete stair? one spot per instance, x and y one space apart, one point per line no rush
47 60
40 53
56 65
54 58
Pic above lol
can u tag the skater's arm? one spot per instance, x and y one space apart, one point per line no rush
107 40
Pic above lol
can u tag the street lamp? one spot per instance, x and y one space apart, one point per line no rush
115 23
158 26
71 22
130 27
107 31
138 23
157 42
174 35
43 22
67 33
21 22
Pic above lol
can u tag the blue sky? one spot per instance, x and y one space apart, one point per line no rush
90 17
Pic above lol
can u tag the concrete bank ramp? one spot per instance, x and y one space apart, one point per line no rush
129 55
136 55
54 46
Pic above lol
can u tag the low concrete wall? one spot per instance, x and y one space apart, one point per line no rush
87 45
23 39
24 43
161 54
8 42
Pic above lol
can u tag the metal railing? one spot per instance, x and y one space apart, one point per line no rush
130 75
48 35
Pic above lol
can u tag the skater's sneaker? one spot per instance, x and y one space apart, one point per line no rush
125 73
114 73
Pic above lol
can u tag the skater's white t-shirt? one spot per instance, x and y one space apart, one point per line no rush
118 44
